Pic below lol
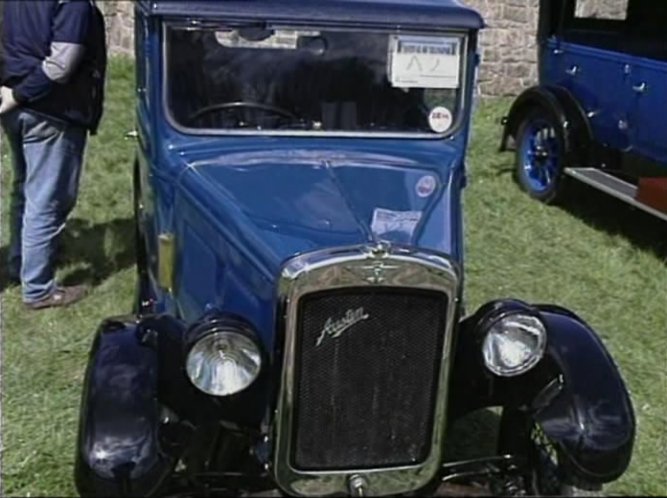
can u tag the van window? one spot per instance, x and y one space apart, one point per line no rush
602 9
635 27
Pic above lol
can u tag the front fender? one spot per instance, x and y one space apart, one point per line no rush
575 393
558 102
118 449
591 420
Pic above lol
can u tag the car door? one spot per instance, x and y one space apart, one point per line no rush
649 117
144 174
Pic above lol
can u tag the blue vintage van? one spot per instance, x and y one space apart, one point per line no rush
599 112
299 327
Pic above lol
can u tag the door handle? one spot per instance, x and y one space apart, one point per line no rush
640 88
573 71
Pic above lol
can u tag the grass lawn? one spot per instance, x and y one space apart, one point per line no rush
596 256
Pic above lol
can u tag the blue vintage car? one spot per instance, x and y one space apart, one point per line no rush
598 114
299 325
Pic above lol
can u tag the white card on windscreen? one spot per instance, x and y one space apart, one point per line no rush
424 61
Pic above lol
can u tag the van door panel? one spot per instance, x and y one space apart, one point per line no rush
649 117
597 79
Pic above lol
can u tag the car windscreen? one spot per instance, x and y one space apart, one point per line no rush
258 79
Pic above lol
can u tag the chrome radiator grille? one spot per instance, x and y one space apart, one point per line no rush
367 370
363 393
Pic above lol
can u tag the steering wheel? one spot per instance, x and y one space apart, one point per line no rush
235 106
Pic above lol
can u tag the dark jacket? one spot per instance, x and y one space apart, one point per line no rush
55 58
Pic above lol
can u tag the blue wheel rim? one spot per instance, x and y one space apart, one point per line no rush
540 156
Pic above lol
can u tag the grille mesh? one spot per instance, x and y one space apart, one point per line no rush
365 398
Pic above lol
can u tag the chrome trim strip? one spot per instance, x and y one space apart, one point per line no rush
613 186
366 265
464 101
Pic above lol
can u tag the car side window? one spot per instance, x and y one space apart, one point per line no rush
596 23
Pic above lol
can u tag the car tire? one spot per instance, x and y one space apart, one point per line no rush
540 156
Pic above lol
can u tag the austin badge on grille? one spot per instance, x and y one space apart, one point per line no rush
336 328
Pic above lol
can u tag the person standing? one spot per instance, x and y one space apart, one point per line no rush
51 99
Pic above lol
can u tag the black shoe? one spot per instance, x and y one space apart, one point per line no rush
60 297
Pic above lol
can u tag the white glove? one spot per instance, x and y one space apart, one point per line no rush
7 101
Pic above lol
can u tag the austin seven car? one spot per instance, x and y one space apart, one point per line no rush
299 326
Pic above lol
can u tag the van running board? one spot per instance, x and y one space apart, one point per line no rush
616 187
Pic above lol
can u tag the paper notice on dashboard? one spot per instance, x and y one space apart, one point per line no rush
400 224
424 61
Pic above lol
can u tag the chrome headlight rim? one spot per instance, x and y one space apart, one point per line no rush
504 313
219 327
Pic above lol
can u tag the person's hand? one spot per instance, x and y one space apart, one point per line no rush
7 100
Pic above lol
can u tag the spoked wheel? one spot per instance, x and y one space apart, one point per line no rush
521 436
540 156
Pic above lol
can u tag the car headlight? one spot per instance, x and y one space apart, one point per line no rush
223 361
514 344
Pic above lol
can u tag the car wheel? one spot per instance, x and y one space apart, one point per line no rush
540 156
142 300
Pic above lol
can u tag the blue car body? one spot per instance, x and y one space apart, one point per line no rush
602 87
246 228
303 196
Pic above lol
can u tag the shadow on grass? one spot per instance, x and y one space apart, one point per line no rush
604 212
5 281
97 251
103 249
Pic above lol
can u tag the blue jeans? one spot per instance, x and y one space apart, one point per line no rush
47 158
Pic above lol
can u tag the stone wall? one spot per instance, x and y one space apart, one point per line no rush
119 15
507 45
